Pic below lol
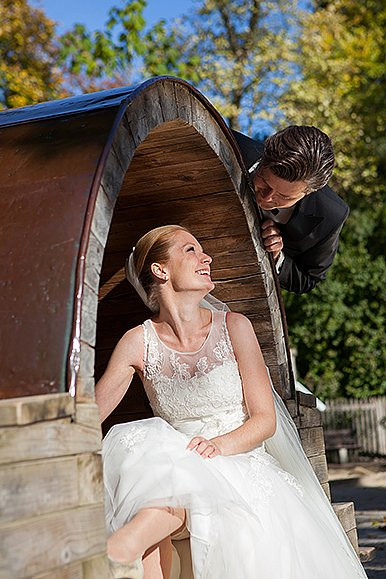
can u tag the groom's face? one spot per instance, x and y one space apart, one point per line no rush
274 193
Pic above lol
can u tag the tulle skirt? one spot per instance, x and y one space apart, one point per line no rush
247 517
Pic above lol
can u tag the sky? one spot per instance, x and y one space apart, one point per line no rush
93 13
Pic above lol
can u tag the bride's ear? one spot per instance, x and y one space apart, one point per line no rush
159 272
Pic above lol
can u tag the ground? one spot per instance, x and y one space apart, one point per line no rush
364 483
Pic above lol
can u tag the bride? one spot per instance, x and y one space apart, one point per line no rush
221 460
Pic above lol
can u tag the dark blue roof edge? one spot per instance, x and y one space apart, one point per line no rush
81 103
106 99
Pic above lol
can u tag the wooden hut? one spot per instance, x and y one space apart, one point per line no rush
81 179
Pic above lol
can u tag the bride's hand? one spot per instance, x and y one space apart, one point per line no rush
206 448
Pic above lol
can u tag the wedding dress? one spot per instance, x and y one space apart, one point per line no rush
248 515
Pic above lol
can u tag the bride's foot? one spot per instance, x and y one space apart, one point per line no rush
126 570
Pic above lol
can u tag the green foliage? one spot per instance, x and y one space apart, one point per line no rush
237 52
28 53
122 53
243 49
339 327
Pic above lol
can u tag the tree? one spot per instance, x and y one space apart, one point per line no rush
245 52
28 72
235 51
339 328
123 53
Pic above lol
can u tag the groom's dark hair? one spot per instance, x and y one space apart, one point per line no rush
300 153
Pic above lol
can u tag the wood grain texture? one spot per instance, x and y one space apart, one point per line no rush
33 488
319 464
74 571
63 538
312 440
87 413
47 440
27 410
85 383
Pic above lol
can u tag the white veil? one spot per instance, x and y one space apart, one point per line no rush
286 447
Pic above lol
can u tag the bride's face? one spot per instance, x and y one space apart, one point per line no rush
188 267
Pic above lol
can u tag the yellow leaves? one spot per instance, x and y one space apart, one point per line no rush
28 72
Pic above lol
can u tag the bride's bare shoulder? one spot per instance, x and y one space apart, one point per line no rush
237 322
240 329
131 346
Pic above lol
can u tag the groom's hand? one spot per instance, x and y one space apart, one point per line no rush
271 238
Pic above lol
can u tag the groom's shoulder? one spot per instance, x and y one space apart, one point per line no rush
251 149
327 203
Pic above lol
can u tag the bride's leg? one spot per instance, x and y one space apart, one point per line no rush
157 561
147 528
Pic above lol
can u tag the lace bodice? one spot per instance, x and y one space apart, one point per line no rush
196 392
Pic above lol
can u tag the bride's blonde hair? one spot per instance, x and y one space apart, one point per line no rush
153 247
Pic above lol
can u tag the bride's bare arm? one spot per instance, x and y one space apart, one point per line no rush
126 358
257 390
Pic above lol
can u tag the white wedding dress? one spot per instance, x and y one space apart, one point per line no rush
247 516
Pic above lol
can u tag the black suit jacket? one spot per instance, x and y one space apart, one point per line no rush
311 236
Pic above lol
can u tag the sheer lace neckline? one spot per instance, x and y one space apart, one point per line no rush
178 351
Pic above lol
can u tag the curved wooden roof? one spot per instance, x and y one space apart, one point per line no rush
81 179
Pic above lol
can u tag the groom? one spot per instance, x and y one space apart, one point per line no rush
302 216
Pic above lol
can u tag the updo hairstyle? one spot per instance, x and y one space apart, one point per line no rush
153 247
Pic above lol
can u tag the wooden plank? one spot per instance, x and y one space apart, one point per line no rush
85 383
87 413
96 568
309 417
326 488
149 102
183 102
46 440
319 464
346 514
90 479
112 177
93 262
29 489
307 399
74 571
103 212
176 173
89 309
353 536
177 187
137 124
172 155
47 542
173 135
242 289
123 145
209 128
29 409
227 252
126 234
167 100
312 440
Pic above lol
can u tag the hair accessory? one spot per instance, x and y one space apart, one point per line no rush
132 277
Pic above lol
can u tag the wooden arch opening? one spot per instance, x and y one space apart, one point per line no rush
171 161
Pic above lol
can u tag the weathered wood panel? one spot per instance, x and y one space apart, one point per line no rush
26 410
74 571
47 440
312 440
319 464
47 542
87 413
34 488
